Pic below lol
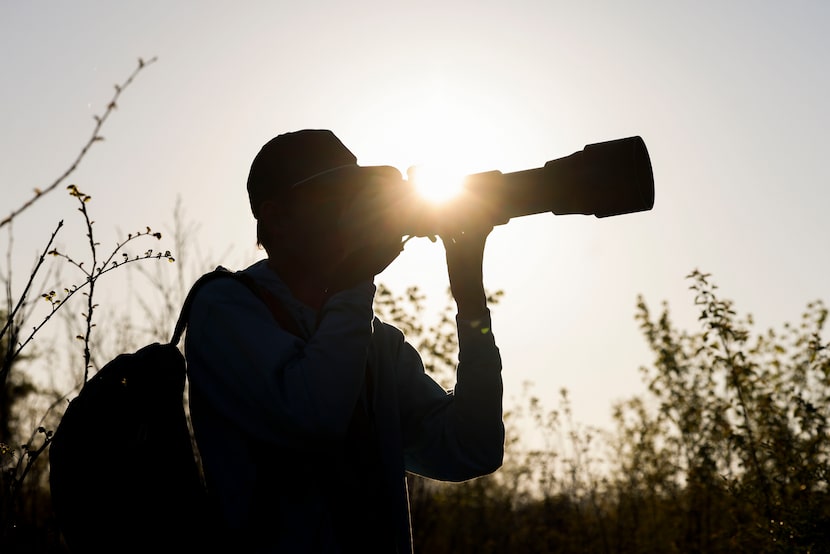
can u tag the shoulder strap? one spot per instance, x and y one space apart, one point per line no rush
276 307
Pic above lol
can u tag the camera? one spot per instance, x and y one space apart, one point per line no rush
603 179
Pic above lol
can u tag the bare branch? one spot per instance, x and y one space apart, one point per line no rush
10 317
99 123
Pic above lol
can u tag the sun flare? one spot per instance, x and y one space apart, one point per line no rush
435 183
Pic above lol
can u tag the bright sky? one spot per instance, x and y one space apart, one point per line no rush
730 98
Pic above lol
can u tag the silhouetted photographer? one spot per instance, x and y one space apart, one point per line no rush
307 409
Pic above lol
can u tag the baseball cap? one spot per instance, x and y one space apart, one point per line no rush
300 158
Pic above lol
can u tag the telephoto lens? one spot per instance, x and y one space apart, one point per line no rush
603 179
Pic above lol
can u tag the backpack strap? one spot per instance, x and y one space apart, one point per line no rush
276 307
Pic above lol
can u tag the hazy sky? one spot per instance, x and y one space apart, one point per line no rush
730 98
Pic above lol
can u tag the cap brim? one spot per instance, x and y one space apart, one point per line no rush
352 175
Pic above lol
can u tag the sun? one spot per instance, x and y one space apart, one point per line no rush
436 183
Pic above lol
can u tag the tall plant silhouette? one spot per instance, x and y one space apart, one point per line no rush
737 441
20 449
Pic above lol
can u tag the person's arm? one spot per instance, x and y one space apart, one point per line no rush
465 258
458 435
278 387
462 435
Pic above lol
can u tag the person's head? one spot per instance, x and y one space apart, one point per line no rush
298 186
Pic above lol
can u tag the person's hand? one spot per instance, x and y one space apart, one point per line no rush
369 231
363 264
464 231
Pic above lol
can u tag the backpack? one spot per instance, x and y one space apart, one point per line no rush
124 475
